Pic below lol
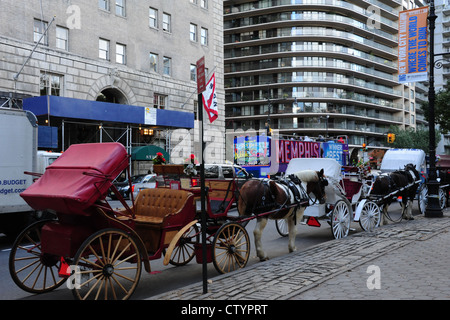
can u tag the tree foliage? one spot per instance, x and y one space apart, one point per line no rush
412 139
441 109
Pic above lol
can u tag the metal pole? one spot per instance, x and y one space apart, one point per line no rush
433 209
16 76
203 195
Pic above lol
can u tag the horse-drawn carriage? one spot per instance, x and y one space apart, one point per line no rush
100 250
346 187
443 177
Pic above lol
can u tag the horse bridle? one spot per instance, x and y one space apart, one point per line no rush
322 194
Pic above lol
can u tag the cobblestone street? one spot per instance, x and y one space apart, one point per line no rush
412 258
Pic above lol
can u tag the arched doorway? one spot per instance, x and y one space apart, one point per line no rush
112 95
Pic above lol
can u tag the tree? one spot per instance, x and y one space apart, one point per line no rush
411 138
441 109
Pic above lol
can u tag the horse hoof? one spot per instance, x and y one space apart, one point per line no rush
263 259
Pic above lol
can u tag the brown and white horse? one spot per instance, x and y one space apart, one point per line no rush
260 196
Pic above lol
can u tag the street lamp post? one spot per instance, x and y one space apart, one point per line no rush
433 209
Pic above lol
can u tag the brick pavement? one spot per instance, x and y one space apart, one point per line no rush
412 258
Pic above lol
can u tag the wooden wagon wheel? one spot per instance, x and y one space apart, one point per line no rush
340 219
30 268
182 245
107 266
370 216
231 248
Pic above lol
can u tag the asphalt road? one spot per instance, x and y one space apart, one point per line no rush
168 278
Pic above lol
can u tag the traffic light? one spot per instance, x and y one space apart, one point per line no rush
364 147
391 137
268 128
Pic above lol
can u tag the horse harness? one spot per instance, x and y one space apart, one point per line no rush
293 188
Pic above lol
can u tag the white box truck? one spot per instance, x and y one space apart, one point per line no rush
18 154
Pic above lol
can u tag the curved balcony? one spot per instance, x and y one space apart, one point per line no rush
358 12
313 34
295 19
336 95
243 73
300 49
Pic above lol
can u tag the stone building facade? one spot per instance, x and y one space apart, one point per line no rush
130 52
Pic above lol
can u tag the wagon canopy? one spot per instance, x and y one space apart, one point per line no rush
396 159
78 178
331 167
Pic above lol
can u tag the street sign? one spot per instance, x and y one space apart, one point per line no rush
201 85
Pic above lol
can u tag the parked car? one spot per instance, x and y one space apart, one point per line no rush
124 186
147 182
222 172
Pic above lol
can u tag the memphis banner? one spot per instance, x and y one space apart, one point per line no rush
209 98
413 45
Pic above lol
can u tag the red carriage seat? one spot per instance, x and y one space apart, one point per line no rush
78 178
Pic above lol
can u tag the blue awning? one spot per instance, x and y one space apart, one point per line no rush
70 108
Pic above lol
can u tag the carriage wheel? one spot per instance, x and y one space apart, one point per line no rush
184 251
30 268
370 216
107 266
422 199
231 248
340 220
282 227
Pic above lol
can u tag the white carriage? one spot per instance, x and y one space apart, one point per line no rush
343 198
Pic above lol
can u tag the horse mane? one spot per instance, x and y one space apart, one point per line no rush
307 176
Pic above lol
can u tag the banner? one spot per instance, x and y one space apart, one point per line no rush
210 99
413 45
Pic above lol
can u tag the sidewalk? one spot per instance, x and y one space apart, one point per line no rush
405 260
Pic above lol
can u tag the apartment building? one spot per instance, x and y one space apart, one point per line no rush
322 67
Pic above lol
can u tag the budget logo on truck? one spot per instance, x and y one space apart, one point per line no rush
8 186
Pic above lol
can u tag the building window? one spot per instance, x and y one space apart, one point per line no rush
166 22
159 101
193 72
121 53
195 109
50 84
121 8
62 38
193 32
38 30
193 1
103 4
153 18
204 37
204 4
153 62
103 49
167 65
